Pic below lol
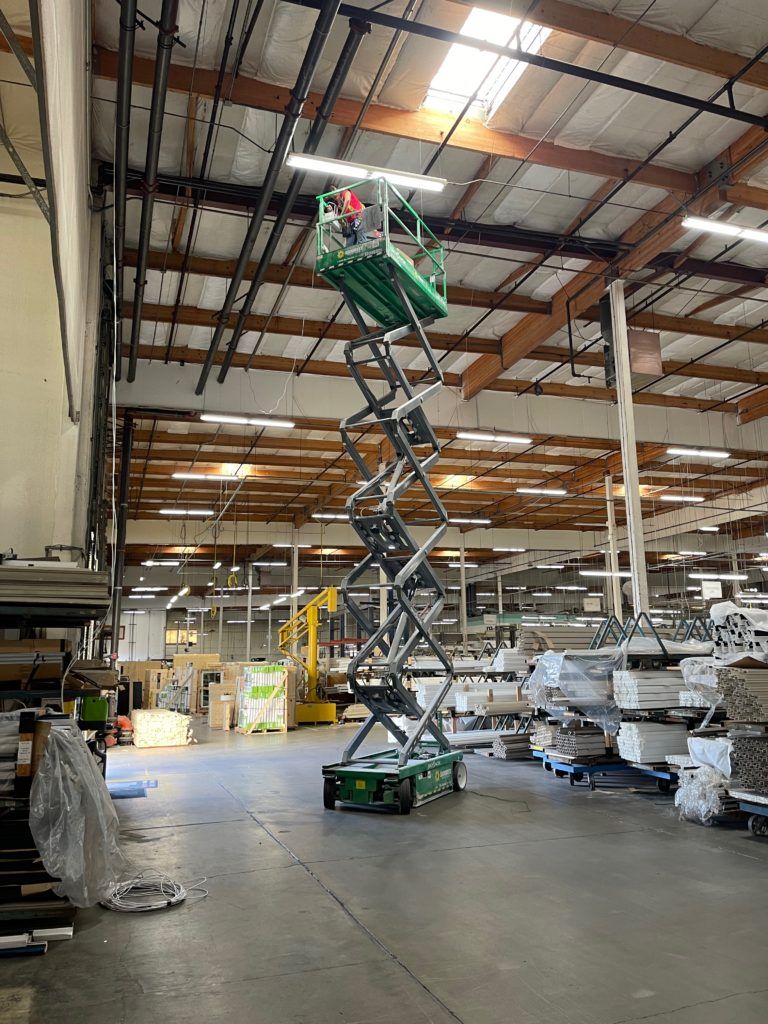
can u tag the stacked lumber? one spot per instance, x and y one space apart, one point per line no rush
544 735
580 743
750 762
651 742
646 691
160 728
510 746
745 692
693 699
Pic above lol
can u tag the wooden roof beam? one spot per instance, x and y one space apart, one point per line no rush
421 125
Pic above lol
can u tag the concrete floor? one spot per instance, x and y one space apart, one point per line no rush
521 901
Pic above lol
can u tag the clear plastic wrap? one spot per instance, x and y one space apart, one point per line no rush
700 678
702 795
581 680
73 821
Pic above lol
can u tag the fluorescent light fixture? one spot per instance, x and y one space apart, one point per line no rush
602 572
205 476
467 565
186 511
557 491
493 438
711 529
183 592
330 515
554 565
153 590
287 544
446 622
473 522
701 453
595 593
280 600
717 576
235 568
238 622
341 168
717 227
217 565
687 553
570 588
174 599
246 421
697 589
681 497
135 611
753 235
143 597
519 550
511 588
169 606
270 565
541 593
264 607
163 561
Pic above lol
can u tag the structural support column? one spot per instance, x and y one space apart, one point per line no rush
463 598
614 581
735 569
118 555
221 627
499 594
269 632
249 613
629 449
294 576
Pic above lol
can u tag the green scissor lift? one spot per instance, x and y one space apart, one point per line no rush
402 295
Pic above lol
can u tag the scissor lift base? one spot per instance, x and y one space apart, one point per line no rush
378 781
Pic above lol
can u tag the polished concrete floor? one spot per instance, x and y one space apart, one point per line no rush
520 901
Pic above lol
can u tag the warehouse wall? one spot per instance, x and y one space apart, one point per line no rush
44 455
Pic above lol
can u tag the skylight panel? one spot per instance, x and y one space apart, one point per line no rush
467 71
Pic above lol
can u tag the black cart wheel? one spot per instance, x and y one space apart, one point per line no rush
329 794
547 766
578 776
459 776
405 797
664 785
559 774
758 825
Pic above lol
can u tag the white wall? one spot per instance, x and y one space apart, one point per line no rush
144 638
43 454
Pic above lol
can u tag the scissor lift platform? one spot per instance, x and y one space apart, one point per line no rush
379 781
365 272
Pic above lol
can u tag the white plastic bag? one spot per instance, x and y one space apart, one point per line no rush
73 821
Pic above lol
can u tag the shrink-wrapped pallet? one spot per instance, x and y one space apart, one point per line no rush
161 728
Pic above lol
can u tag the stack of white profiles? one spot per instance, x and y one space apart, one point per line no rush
646 691
651 742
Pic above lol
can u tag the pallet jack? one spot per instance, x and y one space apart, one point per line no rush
377 278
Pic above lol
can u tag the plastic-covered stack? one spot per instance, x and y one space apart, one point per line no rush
702 795
646 691
651 742
160 728
585 680
581 743
483 701
738 631
700 676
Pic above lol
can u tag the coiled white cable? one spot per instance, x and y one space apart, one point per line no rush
153 890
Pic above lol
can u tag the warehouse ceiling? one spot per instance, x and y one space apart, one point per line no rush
556 185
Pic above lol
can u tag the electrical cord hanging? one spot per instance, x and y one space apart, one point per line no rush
153 890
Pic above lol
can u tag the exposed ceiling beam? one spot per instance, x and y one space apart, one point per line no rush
305 277
687 325
329 368
675 367
301 327
580 293
730 273
633 36
746 195
420 125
